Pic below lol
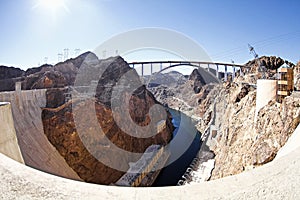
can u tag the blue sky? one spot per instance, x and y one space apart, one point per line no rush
31 31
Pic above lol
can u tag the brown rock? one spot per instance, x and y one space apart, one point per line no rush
73 132
50 79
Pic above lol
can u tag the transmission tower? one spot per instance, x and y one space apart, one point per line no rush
45 60
59 57
76 52
261 68
66 54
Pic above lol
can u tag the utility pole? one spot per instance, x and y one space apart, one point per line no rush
261 68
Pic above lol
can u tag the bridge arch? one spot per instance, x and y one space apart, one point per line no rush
226 66
206 74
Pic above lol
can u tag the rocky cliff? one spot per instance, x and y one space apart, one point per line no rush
240 143
169 79
271 64
228 109
61 125
10 72
184 97
297 76
45 76
197 80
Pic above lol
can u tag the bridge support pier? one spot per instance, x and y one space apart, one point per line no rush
225 73
217 72
233 74
210 67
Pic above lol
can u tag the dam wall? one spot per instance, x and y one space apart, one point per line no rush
36 150
8 139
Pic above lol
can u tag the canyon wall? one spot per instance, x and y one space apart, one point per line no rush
71 128
239 142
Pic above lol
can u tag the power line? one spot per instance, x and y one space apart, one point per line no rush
261 43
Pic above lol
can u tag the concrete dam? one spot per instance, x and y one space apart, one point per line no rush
22 141
37 151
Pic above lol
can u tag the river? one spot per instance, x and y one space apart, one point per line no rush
183 147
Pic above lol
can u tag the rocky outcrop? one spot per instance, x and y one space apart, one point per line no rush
62 129
41 69
46 76
228 109
10 72
241 143
8 77
48 79
270 63
197 81
185 97
169 79
297 76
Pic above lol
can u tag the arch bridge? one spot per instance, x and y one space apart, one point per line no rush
213 67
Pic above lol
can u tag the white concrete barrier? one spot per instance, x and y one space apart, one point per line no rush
8 140
275 180
266 91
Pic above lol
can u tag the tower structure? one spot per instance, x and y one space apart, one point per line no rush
261 68
66 54
76 52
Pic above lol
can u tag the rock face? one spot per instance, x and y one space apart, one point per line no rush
10 72
8 77
271 63
184 97
61 125
170 79
45 76
297 76
241 143
228 109
197 80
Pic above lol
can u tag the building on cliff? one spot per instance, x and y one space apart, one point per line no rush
285 82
